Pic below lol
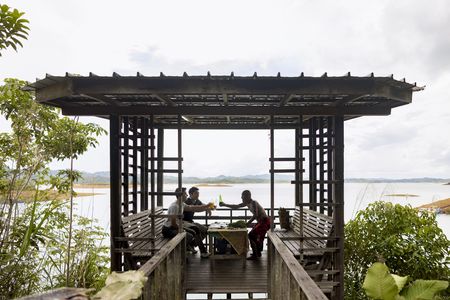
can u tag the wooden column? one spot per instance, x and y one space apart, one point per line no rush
115 188
339 202
312 163
180 181
135 165
125 165
272 173
160 167
330 165
299 162
152 178
144 163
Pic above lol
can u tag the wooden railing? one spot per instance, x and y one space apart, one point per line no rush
166 271
287 278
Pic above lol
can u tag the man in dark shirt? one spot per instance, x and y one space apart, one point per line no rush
188 216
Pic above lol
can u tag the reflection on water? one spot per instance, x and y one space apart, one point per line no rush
357 197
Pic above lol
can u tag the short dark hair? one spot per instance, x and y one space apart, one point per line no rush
179 191
193 190
247 192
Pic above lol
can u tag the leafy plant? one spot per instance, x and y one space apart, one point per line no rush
35 238
409 241
122 286
13 28
380 284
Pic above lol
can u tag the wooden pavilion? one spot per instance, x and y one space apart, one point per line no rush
141 108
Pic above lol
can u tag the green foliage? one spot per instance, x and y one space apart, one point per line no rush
380 284
410 242
38 136
34 237
123 286
37 252
238 224
13 28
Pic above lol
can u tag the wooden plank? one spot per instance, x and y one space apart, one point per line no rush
226 276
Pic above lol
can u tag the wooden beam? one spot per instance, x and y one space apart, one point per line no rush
225 99
103 99
55 91
164 99
349 99
139 110
286 99
333 86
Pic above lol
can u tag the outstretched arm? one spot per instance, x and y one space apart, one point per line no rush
232 206
197 208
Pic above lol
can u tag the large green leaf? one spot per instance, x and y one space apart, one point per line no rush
134 276
400 281
424 289
122 286
120 290
379 284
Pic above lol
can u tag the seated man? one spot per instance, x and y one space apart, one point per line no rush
188 216
170 227
256 235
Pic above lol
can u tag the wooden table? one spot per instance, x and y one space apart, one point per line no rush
236 237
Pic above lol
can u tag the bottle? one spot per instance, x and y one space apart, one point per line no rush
212 205
220 200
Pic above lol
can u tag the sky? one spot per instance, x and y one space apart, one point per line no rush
407 38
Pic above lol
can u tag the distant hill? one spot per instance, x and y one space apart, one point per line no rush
403 180
103 177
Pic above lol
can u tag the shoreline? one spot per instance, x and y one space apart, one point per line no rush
441 205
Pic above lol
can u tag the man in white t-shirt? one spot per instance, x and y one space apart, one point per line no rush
170 227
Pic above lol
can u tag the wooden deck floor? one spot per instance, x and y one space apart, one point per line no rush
227 276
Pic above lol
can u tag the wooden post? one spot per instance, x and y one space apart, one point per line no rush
330 164
180 182
160 167
115 189
144 164
152 178
272 173
125 169
135 165
339 202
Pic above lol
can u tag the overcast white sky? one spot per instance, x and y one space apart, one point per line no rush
409 38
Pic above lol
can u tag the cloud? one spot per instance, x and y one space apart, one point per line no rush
417 34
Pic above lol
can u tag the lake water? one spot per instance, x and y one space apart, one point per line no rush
357 197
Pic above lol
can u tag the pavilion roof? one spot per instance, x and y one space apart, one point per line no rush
223 101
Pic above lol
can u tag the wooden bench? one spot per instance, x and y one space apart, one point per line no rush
313 247
316 239
137 242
